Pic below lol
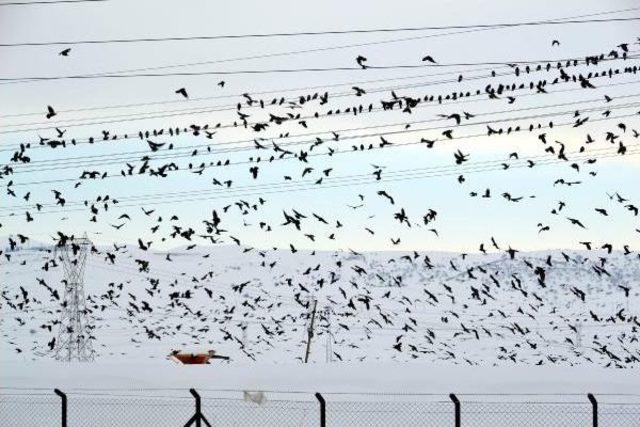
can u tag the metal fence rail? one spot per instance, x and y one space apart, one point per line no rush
232 408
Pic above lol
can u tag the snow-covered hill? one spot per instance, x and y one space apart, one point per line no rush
555 308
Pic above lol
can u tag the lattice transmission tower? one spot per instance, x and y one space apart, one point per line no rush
74 338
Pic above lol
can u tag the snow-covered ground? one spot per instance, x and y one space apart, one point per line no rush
379 378
381 394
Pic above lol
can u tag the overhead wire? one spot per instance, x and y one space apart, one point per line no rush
325 154
324 49
177 65
75 142
183 100
280 70
326 32
85 161
364 179
206 110
36 2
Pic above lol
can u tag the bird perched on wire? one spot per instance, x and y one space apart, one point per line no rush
428 58
361 61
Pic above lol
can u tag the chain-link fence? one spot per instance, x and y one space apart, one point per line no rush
22 409
531 414
107 410
172 408
397 412
296 410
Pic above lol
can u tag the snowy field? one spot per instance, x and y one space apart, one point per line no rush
379 394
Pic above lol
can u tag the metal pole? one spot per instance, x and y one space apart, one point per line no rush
310 331
197 418
456 405
195 394
64 405
323 410
329 338
579 335
594 406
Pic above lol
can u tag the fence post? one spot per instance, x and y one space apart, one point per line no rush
323 410
198 417
594 408
63 396
456 405
195 394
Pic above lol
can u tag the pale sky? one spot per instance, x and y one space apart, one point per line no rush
462 222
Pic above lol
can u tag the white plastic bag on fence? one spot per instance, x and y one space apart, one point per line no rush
254 396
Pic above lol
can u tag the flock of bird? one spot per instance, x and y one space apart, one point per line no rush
498 305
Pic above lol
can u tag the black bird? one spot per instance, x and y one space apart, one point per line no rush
154 145
386 195
359 91
511 252
460 157
50 112
576 222
182 91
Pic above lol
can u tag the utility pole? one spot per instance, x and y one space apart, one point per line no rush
244 327
329 337
314 303
74 340
579 335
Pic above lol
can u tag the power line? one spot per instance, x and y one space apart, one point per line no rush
359 82
229 107
484 134
279 70
88 121
33 3
81 161
314 33
350 180
282 90
354 182
324 49
269 55
238 95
